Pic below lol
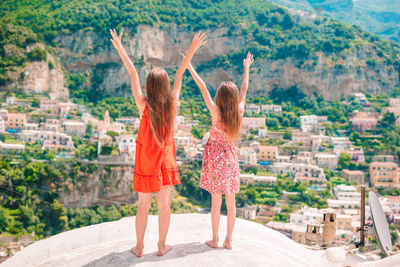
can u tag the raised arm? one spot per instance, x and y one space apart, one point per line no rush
136 90
203 88
198 40
245 83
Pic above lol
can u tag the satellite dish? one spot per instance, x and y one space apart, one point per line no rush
380 223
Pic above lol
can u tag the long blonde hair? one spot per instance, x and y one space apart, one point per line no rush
160 104
227 100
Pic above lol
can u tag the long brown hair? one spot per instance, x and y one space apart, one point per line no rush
227 100
160 103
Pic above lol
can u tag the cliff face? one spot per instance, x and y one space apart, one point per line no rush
38 78
108 186
162 47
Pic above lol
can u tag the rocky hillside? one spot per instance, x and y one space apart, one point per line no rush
292 48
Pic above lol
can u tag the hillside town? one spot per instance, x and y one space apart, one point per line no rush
305 157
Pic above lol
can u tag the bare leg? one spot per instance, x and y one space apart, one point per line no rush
164 217
231 218
144 204
215 215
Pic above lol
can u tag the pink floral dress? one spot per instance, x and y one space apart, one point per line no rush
220 170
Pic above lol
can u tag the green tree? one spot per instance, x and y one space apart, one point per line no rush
344 161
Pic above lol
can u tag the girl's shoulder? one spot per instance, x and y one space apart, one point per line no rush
215 115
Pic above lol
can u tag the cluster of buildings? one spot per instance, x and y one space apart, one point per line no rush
336 225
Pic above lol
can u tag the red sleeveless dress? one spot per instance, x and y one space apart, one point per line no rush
155 165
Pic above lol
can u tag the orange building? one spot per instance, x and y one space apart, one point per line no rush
16 120
268 153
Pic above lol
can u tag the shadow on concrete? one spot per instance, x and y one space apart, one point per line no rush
126 258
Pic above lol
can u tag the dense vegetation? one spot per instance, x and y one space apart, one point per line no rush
270 32
381 17
31 185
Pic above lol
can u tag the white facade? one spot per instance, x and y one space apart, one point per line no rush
346 192
343 204
248 156
75 128
394 204
247 212
32 126
252 108
17 148
2 125
252 123
262 132
307 123
359 97
307 215
298 170
271 108
126 144
58 140
341 143
325 160
257 179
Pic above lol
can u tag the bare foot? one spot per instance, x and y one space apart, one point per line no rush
228 244
138 252
163 250
212 243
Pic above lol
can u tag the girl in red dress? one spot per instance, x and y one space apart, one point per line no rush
156 169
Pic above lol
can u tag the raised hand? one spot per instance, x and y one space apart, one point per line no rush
248 61
136 90
116 40
199 39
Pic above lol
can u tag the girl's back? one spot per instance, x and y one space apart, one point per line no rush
220 170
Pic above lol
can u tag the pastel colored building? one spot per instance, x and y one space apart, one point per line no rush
309 123
318 140
252 108
346 192
355 155
299 171
394 110
268 153
11 148
384 174
394 102
303 138
64 109
361 123
253 123
106 125
271 109
58 141
354 176
2 125
48 105
257 179
32 126
359 97
76 128
341 144
16 121
326 160
248 156
126 144
394 204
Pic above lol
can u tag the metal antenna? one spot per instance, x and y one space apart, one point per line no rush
362 226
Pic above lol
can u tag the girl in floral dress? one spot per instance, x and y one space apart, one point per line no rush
220 171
